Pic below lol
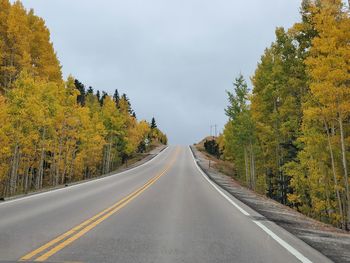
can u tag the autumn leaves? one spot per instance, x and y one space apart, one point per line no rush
47 135
293 129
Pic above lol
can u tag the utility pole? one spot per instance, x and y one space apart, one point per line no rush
213 132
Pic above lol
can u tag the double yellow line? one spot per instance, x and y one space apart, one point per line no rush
60 242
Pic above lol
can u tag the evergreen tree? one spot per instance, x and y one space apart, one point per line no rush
239 133
116 98
298 116
126 99
53 131
82 93
90 90
98 95
153 123
103 97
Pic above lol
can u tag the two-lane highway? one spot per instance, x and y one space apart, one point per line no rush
163 211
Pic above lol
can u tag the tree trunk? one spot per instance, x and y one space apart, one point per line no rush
71 166
334 174
30 178
14 169
41 162
26 174
53 166
246 166
252 166
104 159
327 193
108 156
345 168
41 169
63 175
58 162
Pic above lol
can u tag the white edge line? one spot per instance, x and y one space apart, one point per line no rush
82 183
283 243
218 189
280 241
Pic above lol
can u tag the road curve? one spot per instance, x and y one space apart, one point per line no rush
163 211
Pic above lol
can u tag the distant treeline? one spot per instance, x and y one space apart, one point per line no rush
54 131
289 137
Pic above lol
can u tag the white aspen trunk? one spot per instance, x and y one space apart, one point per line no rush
104 159
30 178
71 166
252 166
58 163
327 193
65 166
41 169
345 167
112 163
41 162
334 174
53 167
18 158
109 157
109 147
26 174
246 166
14 168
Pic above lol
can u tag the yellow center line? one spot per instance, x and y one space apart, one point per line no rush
81 229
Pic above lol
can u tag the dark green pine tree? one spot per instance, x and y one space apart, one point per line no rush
104 95
153 123
130 110
116 98
81 97
90 90
98 95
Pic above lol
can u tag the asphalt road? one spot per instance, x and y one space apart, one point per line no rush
163 211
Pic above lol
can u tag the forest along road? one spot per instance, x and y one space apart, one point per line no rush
163 211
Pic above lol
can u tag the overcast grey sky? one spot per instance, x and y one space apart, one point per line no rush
174 59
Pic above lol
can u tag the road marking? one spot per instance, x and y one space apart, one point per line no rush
81 229
279 240
81 183
283 243
218 189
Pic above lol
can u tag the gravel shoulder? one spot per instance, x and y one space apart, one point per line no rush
330 241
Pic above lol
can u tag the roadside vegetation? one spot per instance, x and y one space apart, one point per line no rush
54 131
289 137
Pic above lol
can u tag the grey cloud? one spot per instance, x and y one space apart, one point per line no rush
174 59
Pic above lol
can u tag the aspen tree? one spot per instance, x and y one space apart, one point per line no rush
328 67
53 131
